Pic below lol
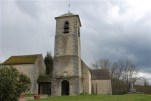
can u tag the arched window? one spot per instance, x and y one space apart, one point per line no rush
66 27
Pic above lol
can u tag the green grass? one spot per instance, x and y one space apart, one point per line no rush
128 97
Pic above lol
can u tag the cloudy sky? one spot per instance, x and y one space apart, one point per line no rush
111 29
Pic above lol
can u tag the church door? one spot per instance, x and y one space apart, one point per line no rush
65 87
44 88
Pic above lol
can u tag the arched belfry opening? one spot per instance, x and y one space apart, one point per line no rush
65 87
66 27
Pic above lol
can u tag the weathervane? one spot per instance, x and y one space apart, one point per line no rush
69 7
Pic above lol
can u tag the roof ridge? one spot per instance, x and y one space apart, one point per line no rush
22 59
26 55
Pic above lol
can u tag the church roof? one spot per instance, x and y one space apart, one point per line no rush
22 59
100 74
44 78
67 14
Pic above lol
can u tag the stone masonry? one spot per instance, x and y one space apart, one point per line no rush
32 65
67 57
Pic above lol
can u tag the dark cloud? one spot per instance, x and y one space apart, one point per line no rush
111 29
118 40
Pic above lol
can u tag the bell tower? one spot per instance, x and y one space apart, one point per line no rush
66 79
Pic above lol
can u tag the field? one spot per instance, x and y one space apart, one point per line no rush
128 97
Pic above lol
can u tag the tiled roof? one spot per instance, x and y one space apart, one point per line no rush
44 78
23 59
100 74
67 14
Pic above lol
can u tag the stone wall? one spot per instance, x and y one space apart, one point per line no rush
74 86
74 24
40 69
67 43
86 78
67 56
31 71
67 66
101 87
41 65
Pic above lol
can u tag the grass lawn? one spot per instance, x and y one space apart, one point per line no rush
128 97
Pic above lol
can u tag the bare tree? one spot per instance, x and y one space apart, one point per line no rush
146 82
129 73
102 64
143 86
123 74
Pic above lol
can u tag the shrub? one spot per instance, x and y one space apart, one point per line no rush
12 83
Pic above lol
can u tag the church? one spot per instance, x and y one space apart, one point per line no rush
71 76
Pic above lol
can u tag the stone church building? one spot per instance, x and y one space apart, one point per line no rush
31 65
71 76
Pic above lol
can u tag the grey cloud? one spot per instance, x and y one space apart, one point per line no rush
130 40
31 8
22 34
30 29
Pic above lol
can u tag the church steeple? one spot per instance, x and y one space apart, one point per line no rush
67 57
67 35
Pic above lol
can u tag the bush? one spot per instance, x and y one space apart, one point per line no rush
12 83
